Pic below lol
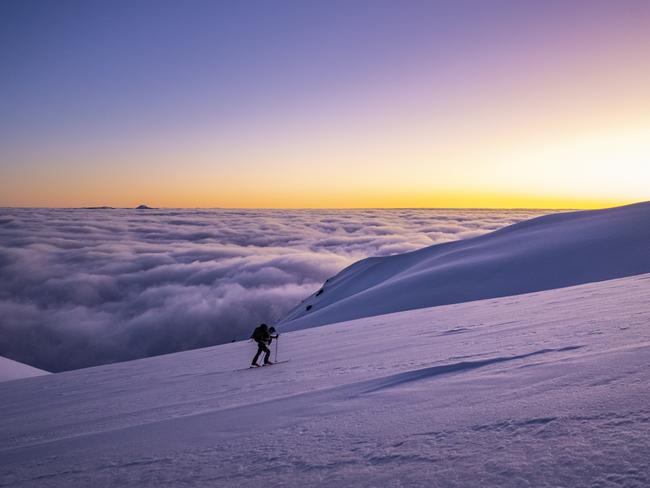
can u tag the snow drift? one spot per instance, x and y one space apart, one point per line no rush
13 370
548 252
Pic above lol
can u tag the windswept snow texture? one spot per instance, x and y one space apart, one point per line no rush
550 389
86 287
548 252
13 370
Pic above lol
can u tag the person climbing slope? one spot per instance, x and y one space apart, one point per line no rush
263 336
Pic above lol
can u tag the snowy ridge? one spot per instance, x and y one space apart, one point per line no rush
545 389
13 370
544 253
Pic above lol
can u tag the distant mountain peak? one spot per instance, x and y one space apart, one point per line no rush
143 207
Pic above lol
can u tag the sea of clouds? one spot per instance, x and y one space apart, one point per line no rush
85 287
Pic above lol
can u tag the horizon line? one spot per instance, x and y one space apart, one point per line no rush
109 207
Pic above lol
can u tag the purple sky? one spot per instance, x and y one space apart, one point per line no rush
210 96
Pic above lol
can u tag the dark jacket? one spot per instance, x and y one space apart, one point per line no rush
263 335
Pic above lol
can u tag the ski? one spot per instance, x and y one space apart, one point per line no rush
276 362
263 365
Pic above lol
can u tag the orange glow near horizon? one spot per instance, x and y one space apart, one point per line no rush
598 170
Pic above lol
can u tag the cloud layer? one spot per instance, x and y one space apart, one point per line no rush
87 287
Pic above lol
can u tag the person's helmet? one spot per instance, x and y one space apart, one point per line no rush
272 329
264 326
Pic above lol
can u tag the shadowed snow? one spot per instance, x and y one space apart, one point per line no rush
13 370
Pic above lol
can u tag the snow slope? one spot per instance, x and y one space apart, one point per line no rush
13 370
544 253
548 389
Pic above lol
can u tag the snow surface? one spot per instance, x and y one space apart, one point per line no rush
13 370
543 389
545 253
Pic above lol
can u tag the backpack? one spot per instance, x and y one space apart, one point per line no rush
258 334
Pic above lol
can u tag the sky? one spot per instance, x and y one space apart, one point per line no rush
290 104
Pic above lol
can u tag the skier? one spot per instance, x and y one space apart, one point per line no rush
263 336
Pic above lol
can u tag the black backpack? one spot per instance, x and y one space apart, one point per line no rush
258 334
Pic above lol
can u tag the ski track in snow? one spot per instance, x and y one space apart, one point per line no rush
545 389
